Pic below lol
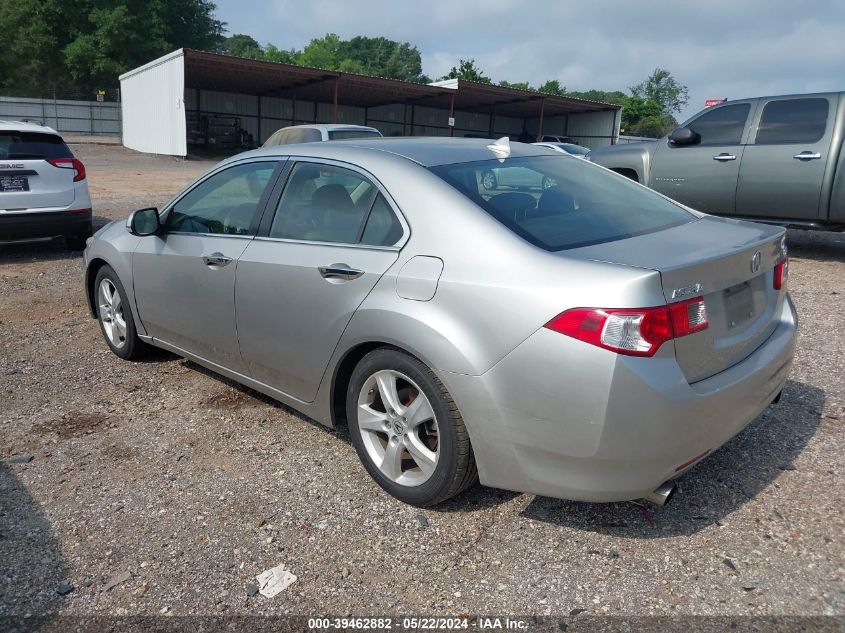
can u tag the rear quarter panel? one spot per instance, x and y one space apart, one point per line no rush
495 289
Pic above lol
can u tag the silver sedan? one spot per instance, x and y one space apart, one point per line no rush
589 339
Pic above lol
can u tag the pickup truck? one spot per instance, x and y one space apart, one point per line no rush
772 159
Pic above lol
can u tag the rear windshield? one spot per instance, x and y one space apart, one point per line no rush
336 135
558 202
29 145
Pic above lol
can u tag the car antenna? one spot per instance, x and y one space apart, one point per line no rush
501 148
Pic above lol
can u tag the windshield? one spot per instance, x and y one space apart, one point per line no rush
557 203
32 145
336 135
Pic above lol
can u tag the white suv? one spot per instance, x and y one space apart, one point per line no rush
319 132
43 190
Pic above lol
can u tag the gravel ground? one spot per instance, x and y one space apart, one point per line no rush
158 487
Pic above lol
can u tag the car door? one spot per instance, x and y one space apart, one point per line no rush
704 175
334 233
783 170
184 278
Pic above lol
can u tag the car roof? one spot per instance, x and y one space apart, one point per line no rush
25 126
427 151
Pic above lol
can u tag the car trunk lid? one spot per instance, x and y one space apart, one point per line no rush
730 264
34 184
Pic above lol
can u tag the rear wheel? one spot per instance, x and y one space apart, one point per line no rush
115 315
407 430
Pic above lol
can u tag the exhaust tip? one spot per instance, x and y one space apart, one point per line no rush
663 493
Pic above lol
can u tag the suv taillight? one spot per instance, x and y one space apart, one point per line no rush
633 332
781 273
70 163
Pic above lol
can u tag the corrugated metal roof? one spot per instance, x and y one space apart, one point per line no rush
212 71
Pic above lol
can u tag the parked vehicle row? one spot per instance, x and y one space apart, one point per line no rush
578 336
773 159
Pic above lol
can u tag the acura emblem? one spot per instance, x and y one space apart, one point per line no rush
755 262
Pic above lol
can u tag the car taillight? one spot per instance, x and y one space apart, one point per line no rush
70 163
633 332
781 273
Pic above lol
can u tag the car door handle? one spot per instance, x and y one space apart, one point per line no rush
216 259
340 271
724 157
807 155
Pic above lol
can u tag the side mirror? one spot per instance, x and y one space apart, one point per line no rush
144 222
684 136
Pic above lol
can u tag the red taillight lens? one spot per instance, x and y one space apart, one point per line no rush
781 273
70 163
633 332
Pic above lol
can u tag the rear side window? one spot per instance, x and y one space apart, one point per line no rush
327 203
301 135
722 126
557 202
336 135
793 121
32 145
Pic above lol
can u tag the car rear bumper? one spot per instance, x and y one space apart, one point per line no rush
557 417
23 225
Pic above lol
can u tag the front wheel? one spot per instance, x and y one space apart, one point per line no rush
407 430
115 315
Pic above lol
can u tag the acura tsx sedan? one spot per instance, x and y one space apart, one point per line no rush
587 340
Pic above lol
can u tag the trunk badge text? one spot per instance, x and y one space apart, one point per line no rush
756 259
686 291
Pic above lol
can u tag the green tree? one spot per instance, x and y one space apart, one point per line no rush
467 70
645 117
552 87
662 87
606 96
273 54
519 85
323 52
240 45
85 44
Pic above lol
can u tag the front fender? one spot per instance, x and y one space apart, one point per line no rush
112 245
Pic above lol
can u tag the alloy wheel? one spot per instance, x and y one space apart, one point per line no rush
111 313
398 428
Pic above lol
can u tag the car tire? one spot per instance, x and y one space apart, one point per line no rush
417 450
489 180
115 316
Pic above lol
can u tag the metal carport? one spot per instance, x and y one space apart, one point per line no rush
177 100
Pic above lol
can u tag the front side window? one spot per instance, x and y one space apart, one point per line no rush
225 203
793 121
722 126
326 203
557 203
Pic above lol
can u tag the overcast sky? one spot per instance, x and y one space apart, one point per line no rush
718 48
